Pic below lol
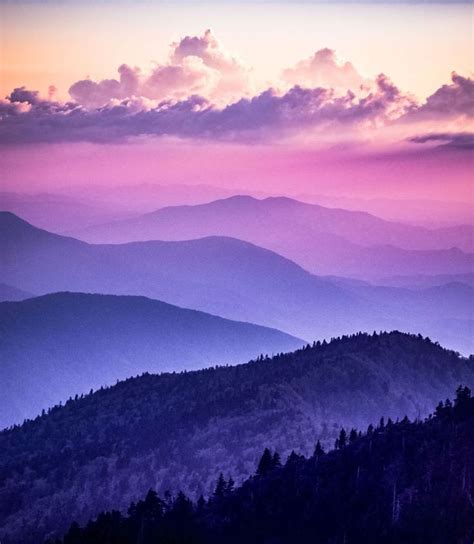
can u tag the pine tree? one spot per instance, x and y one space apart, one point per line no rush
265 465
318 450
342 438
221 487
276 460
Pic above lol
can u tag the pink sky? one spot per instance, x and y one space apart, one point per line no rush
437 174
317 122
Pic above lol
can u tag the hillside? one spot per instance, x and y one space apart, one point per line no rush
400 482
219 275
8 292
59 213
322 240
58 345
177 431
231 278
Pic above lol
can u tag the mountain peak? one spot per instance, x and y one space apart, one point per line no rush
240 200
12 224
9 218
14 228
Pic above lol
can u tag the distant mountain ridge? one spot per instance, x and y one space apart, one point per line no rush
178 431
58 345
230 278
9 292
322 240
57 212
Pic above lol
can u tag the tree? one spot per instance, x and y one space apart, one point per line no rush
463 394
318 450
221 487
293 458
200 504
342 440
73 536
276 460
265 465
462 400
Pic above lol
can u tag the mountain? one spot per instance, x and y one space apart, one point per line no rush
8 292
322 240
399 482
60 213
424 211
177 431
58 345
423 281
218 275
147 197
230 278
75 208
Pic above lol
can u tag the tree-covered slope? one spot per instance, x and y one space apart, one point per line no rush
408 482
176 431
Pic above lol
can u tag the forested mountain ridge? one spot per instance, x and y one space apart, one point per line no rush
176 431
407 482
61 344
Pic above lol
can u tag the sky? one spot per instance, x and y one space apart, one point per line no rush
366 99
59 43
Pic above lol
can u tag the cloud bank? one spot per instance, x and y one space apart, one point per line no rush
203 92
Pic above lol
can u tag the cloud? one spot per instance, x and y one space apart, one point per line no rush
268 115
202 92
23 95
323 69
449 101
208 49
196 65
463 141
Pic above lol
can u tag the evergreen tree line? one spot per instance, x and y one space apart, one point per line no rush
398 482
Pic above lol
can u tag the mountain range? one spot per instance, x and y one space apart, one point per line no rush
55 346
59 212
233 279
322 240
179 430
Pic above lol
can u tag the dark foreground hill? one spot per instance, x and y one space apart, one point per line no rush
55 346
407 482
177 431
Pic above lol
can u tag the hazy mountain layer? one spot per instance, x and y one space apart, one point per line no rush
58 345
233 279
8 292
322 240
